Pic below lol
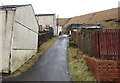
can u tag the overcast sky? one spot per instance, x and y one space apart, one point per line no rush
65 8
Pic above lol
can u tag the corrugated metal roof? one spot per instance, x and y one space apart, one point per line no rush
85 24
93 27
78 25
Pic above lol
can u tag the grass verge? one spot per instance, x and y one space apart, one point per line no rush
42 49
77 67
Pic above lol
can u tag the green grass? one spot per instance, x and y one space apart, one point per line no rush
42 49
77 67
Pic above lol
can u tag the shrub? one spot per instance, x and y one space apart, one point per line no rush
72 44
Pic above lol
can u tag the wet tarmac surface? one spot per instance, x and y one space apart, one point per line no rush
52 66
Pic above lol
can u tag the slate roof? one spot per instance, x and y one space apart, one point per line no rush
10 7
44 14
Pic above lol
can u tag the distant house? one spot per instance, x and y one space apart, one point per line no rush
46 21
59 29
80 27
18 36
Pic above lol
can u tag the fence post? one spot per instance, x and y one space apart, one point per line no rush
99 44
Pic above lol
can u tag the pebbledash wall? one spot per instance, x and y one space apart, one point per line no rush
45 20
18 36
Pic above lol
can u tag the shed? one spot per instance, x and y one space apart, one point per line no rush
78 27
18 36
47 20
59 29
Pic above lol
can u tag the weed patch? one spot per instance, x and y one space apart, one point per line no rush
77 67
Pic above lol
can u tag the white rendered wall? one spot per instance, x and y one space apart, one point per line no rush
18 37
25 36
48 20
59 29
6 21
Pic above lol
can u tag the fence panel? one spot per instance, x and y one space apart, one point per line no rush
103 44
110 44
43 37
94 44
81 42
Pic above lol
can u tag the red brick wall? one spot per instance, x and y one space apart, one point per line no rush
104 70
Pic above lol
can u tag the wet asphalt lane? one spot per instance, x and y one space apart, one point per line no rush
52 66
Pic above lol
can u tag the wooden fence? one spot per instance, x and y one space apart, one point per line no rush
102 44
44 36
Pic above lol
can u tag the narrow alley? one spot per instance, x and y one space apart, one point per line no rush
52 66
